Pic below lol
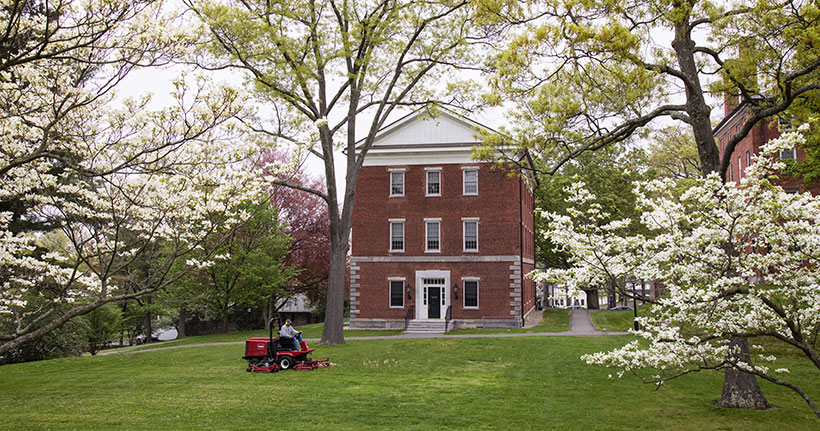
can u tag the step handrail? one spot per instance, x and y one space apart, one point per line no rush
408 316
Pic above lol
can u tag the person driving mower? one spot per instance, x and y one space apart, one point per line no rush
289 331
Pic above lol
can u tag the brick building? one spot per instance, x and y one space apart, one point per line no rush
439 240
735 115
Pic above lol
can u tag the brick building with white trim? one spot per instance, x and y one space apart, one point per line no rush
735 116
439 239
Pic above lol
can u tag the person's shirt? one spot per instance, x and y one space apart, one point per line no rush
288 331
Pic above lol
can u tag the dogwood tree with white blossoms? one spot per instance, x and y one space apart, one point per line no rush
98 199
735 260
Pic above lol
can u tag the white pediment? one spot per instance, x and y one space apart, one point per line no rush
416 129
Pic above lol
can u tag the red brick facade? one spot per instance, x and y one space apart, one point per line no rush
750 146
502 209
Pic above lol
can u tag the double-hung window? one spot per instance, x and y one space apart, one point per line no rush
396 182
470 181
787 154
433 181
470 292
432 230
470 234
739 168
396 292
397 235
748 158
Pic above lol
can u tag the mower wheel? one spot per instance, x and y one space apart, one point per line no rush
285 362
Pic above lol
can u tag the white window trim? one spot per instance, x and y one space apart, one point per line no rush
390 235
390 281
793 151
464 170
437 220
427 181
464 293
464 221
403 182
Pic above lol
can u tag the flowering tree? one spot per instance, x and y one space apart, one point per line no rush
325 70
605 172
737 261
586 75
89 187
305 217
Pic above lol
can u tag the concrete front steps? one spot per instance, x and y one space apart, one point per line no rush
427 326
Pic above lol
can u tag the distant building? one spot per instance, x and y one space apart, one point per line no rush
736 115
298 310
439 240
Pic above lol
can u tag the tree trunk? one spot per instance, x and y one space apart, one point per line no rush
148 328
183 314
592 299
225 323
333 332
740 389
696 107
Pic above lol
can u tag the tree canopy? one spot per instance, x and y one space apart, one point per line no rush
735 261
90 185
327 75
584 75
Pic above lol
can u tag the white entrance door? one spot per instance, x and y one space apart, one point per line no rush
432 294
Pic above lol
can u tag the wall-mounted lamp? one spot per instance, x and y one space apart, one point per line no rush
408 288
455 290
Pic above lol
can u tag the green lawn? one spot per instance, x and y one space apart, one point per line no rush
308 331
522 383
553 320
612 321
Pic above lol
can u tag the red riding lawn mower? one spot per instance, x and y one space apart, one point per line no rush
269 355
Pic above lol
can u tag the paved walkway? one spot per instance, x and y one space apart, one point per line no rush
580 326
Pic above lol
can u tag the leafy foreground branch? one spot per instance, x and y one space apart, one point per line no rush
735 260
99 198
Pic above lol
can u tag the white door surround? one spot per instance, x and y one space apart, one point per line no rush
430 278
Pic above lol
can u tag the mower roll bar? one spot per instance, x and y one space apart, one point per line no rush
271 325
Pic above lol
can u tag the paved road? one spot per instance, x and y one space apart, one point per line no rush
580 326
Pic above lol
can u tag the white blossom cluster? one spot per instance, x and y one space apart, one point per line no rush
106 184
735 259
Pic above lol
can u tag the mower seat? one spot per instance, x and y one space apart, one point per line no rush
285 343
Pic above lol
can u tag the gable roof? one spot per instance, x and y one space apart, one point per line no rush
419 130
